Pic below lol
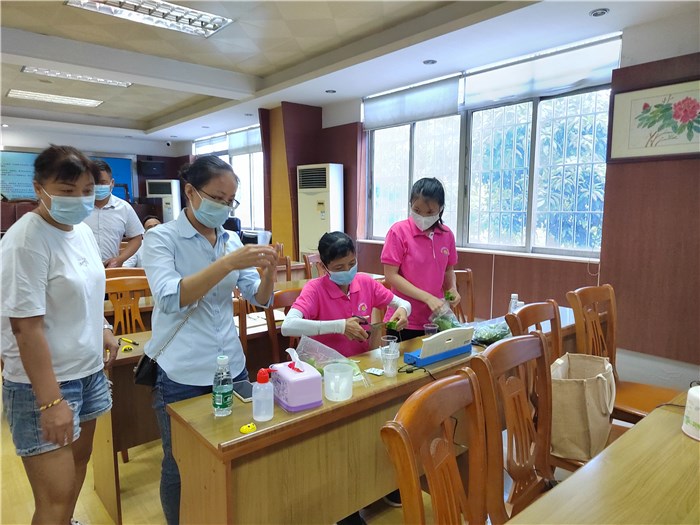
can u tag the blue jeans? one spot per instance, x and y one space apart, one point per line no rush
168 391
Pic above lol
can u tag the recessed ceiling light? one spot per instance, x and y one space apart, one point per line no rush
248 114
54 99
429 62
330 91
601 11
205 127
71 76
173 136
5 125
158 14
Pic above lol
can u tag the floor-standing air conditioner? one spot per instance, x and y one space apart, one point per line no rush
320 203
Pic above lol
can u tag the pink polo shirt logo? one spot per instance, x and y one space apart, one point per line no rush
362 307
445 250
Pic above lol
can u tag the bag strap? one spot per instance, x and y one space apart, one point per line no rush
162 348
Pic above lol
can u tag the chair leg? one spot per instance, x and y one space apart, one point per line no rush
125 455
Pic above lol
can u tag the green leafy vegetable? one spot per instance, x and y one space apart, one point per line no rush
490 333
449 296
391 325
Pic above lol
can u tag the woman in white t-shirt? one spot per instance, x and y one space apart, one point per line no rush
54 333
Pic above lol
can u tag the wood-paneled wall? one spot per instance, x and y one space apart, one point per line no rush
651 234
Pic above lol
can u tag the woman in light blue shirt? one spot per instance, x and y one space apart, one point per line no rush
193 265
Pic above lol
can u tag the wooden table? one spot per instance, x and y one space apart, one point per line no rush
648 475
298 468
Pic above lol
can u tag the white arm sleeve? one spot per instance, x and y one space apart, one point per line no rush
294 324
397 302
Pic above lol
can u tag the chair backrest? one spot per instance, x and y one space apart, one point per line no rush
530 318
125 294
590 303
523 406
421 439
240 310
111 273
283 299
284 264
464 311
311 261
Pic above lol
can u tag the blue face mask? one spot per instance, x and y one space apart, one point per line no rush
70 210
211 214
102 191
343 278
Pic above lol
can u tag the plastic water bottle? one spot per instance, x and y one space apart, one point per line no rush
263 396
222 388
513 305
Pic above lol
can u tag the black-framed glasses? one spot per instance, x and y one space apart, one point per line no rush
233 204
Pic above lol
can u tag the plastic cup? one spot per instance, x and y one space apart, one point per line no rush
430 329
390 355
337 381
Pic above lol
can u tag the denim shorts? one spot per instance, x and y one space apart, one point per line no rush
88 398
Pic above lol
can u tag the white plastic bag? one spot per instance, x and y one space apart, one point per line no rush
319 355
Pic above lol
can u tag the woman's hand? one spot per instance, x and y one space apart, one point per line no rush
57 424
262 256
454 296
111 347
354 330
400 317
433 303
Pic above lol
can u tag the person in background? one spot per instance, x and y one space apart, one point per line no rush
136 260
193 265
335 309
54 387
419 255
113 220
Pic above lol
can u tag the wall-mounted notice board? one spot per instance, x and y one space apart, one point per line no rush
17 172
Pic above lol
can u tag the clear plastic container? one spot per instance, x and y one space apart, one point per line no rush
222 388
513 305
263 396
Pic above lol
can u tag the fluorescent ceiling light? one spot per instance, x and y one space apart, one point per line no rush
157 13
73 76
55 99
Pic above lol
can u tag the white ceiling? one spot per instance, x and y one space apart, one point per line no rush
186 87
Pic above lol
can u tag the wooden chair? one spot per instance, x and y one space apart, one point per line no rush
530 318
285 265
311 261
465 287
282 299
125 294
633 401
520 403
240 310
111 273
421 438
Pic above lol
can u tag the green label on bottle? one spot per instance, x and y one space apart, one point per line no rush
223 398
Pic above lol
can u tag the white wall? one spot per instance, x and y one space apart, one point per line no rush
342 113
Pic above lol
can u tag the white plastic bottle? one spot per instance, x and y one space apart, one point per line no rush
222 388
513 305
263 396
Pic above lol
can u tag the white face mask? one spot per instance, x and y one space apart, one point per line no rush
424 223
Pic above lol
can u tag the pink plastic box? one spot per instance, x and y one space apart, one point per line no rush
297 386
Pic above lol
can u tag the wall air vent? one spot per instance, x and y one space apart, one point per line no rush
311 178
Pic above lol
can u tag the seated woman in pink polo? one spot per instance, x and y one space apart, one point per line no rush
333 309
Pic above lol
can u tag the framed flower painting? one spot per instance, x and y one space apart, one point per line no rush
656 122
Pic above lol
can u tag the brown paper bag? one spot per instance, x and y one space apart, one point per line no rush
583 396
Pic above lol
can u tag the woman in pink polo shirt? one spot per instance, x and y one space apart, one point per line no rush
419 255
335 309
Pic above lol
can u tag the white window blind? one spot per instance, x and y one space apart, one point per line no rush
552 74
213 144
436 99
244 141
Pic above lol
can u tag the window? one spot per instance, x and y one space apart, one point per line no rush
242 149
523 160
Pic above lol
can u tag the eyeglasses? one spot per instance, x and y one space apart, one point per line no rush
233 204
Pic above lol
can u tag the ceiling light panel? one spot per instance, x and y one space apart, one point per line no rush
158 14
54 99
72 76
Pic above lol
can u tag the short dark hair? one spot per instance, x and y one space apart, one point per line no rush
205 168
103 166
334 245
63 164
148 218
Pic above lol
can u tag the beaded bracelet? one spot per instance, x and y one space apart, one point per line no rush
53 403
